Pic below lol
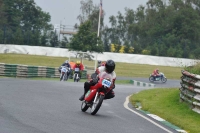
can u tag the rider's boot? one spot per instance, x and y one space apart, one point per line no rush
86 88
82 97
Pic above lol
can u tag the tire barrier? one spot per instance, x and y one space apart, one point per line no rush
142 84
25 71
190 90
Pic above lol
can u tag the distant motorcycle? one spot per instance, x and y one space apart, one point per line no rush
76 76
63 74
161 78
95 95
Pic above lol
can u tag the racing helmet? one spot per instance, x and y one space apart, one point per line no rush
110 66
99 62
78 63
66 61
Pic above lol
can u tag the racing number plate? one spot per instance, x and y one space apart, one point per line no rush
106 83
63 69
76 69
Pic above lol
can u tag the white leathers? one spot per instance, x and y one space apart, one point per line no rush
102 69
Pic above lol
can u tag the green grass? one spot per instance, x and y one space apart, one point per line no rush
122 69
165 103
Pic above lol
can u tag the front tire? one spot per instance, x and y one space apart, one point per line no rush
164 79
96 106
151 79
61 78
84 106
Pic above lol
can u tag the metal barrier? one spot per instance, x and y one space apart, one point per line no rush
142 84
25 71
190 90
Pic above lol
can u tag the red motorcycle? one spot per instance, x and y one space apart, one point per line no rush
95 95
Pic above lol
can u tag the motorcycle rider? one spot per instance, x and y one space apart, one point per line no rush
78 68
156 73
66 63
109 68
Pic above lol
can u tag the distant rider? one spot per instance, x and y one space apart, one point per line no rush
66 63
100 63
78 68
109 68
156 73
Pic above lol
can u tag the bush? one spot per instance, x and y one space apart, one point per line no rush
195 69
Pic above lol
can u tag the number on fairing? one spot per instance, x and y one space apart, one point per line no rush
106 83
64 69
76 69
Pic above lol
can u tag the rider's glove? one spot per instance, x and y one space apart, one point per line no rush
113 86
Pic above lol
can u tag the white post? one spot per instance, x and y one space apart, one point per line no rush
99 23
95 62
69 55
82 58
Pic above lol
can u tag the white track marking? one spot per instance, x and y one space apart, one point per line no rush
126 106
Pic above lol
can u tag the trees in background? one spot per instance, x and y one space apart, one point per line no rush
86 40
23 23
161 28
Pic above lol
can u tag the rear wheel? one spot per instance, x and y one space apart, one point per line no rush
151 79
84 106
97 104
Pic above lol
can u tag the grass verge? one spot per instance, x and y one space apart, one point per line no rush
122 69
165 103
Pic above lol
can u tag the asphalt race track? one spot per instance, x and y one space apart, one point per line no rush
31 106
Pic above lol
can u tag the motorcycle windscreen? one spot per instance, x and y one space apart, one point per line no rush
105 75
64 69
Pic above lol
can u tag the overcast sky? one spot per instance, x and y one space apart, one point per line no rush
68 10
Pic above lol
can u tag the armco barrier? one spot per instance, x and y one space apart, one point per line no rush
25 71
143 84
190 90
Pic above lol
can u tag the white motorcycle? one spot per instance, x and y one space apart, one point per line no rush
63 74
76 75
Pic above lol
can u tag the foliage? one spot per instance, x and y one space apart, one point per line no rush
121 49
81 42
164 28
195 69
23 22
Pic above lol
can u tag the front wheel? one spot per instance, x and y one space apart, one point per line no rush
164 79
97 104
151 79
84 106
61 78
65 77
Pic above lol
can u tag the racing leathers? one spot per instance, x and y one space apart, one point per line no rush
94 81
155 73
78 69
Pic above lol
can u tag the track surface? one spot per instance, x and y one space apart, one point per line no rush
31 106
